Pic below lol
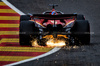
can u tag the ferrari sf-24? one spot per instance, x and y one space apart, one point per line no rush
72 28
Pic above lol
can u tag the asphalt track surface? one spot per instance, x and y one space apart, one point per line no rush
80 56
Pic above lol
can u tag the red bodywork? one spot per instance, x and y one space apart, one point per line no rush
67 20
40 22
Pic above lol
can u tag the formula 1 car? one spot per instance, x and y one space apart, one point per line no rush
54 24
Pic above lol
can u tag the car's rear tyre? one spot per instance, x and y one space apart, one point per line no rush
28 31
81 31
25 18
80 17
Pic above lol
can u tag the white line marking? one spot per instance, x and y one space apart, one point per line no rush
13 7
38 57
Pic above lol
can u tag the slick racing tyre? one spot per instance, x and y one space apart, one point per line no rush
80 17
25 17
28 31
81 30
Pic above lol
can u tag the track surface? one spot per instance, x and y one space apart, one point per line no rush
81 56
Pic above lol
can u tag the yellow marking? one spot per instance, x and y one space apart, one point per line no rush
14 58
9 25
9 40
9 32
7 11
2 4
25 49
9 17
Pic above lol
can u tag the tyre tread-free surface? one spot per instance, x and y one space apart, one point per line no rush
81 30
27 29
25 18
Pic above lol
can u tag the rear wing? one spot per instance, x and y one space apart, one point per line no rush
61 16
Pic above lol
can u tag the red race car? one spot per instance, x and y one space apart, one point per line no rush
73 28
